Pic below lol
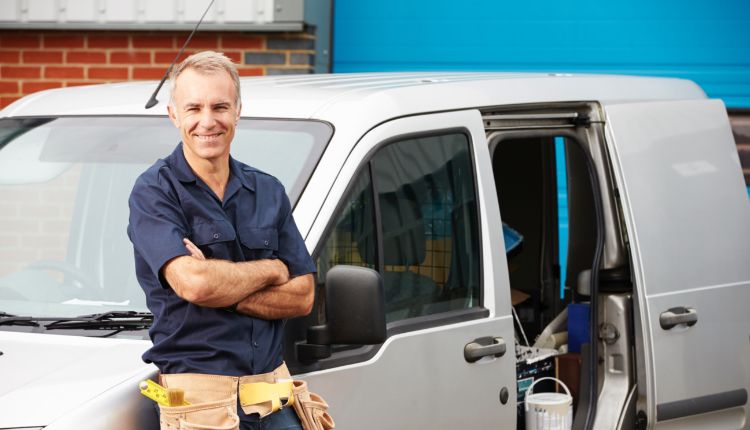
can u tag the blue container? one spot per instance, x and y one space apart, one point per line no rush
578 326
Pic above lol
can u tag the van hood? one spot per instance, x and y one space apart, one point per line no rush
45 376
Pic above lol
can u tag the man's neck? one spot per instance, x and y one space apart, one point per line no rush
214 172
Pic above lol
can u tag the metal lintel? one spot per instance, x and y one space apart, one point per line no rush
532 116
272 26
526 127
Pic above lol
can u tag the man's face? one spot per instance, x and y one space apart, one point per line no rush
206 113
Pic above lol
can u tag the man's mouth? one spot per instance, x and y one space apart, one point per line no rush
207 136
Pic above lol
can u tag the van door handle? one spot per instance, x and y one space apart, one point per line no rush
483 347
676 316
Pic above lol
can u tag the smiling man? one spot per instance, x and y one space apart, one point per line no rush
220 260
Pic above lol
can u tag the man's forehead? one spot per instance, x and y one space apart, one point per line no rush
199 101
189 86
195 73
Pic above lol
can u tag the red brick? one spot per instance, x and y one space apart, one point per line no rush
108 73
20 72
32 87
19 40
42 57
130 57
250 71
149 72
108 41
5 101
59 40
201 41
234 56
9 87
166 57
87 57
77 83
153 41
10 57
63 72
242 41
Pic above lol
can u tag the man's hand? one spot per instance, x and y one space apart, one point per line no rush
195 252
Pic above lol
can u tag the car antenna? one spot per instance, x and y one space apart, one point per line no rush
152 101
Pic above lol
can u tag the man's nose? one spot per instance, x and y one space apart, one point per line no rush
207 119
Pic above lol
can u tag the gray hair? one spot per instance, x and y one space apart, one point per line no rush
206 62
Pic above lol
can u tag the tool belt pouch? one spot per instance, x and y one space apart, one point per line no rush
212 403
216 415
266 393
311 408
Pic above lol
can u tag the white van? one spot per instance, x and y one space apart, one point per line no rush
429 203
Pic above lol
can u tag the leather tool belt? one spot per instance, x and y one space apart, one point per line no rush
213 400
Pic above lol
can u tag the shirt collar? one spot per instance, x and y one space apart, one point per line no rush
180 167
184 173
238 170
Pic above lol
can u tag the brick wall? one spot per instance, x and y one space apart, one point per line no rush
32 61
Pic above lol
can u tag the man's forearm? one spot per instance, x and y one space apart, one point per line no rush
289 300
221 283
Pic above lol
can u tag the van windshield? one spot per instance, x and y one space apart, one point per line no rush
64 187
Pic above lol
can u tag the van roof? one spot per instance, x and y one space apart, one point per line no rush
377 95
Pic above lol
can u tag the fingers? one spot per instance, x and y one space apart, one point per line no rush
283 272
194 251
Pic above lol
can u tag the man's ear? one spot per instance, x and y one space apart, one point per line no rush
173 115
239 109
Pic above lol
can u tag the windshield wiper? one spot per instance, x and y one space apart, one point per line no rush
8 319
115 320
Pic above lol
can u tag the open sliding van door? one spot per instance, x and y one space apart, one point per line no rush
688 224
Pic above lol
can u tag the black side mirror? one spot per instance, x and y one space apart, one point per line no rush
355 312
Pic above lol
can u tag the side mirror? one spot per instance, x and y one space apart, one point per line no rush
355 312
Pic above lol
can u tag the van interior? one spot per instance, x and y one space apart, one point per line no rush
547 166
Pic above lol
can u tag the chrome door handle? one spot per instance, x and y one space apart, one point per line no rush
483 347
676 316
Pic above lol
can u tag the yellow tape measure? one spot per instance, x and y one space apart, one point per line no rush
161 395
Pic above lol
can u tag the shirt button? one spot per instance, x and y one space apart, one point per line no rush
266 242
216 235
255 344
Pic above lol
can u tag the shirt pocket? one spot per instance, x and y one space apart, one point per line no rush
215 238
259 243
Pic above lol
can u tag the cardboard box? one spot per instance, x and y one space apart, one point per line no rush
568 370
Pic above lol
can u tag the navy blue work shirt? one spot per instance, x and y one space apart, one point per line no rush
254 221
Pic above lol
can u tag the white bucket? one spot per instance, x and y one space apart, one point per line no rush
548 411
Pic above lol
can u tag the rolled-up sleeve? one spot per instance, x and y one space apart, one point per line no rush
157 224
